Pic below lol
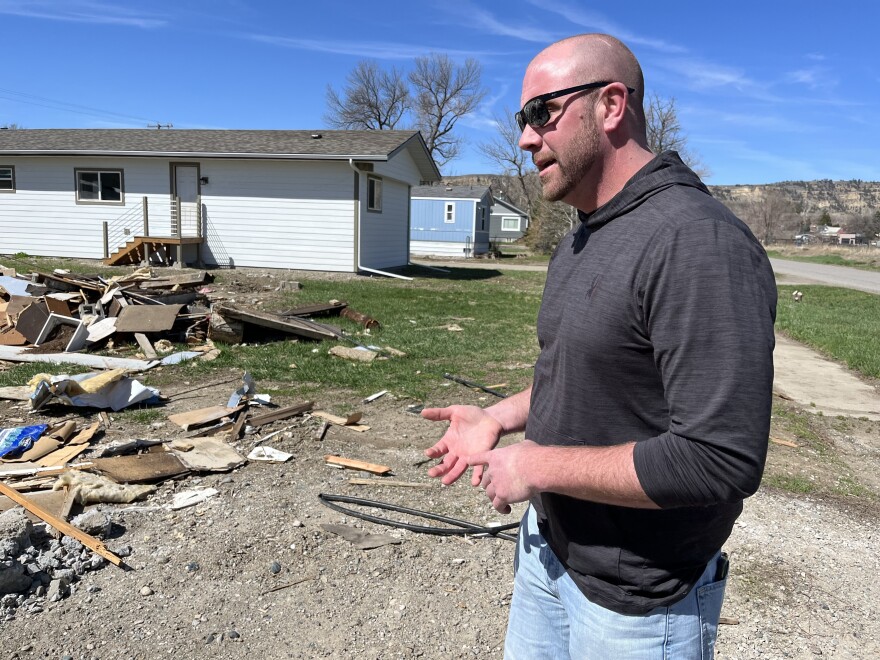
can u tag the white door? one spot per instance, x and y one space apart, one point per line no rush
186 189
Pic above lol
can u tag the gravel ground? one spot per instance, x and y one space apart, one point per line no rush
251 572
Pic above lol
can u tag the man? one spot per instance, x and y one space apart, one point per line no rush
647 421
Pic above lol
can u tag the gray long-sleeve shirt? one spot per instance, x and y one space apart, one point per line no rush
656 326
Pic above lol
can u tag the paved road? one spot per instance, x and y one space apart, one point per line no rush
801 272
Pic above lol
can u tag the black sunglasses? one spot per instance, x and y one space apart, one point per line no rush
535 112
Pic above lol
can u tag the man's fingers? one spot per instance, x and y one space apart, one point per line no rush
437 450
437 414
454 472
477 476
479 459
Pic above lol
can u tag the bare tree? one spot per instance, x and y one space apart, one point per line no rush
504 151
12 126
444 93
769 213
665 132
548 224
372 99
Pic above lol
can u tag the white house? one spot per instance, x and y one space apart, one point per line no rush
314 200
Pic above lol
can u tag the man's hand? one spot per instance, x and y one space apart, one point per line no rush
505 475
471 430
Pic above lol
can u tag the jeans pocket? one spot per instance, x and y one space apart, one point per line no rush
709 600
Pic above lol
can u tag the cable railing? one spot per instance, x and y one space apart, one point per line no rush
134 222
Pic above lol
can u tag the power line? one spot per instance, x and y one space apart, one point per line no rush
42 101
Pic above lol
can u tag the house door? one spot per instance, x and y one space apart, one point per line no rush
185 199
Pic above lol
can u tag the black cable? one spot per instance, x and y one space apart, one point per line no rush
462 528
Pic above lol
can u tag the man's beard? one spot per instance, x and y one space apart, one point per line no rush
581 156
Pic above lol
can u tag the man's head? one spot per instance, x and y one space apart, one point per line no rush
583 142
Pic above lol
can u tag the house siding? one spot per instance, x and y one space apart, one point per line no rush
427 220
402 167
384 242
438 248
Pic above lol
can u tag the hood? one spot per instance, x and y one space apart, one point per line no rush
665 170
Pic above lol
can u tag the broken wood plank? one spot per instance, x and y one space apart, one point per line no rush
784 443
146 346
69 530
184 280
282 413
341 421
235 431
354 464
16 393
388 482
295 326
191 418
319 309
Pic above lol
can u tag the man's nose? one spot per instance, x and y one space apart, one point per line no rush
529 140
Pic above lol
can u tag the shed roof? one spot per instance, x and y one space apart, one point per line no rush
450 192
508 205
247 144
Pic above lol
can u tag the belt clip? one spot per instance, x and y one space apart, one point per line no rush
722 568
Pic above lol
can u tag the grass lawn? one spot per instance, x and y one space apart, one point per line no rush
842 323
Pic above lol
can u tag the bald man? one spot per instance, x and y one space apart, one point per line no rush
647 421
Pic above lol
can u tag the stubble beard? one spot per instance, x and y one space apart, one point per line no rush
583 152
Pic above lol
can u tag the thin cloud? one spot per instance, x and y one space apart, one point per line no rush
795 169
598 22
80 11
367 49
486 22
817 77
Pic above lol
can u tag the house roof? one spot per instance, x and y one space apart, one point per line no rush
180 143
508 205
450 192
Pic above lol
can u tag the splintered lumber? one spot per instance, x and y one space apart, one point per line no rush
294 326
784 443
281 413
185 280
146 346
66 528
354 464
192 418
319 309
348 422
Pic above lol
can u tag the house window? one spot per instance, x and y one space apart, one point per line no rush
7 178
449 213
374 193
99 186
510 223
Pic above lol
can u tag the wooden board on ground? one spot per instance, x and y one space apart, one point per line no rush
282 413
192 418
16 393
62 456
147 318
152 466
293 325
388 482
211 454
342 421
354 464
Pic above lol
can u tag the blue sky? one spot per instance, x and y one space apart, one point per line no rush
766 91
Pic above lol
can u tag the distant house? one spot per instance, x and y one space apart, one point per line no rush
450 221
314 200
507 223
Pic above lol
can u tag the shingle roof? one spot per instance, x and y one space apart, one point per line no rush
297 145
449 192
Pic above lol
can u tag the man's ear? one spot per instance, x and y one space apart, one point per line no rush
615 98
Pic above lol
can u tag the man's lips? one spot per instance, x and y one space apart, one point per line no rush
544 164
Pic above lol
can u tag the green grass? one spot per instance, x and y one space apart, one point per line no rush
831 259
25 263
841 323
791 484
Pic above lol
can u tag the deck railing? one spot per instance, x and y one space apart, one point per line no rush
134 222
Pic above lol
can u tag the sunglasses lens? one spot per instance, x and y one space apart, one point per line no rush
535 113
521 122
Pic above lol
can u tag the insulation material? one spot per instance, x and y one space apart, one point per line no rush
90 488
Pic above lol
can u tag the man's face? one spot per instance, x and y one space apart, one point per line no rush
566 149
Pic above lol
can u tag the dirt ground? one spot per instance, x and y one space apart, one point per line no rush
251 572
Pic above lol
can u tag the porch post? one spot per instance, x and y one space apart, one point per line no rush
145 206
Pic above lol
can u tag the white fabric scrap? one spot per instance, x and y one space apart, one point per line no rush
189 498
269 454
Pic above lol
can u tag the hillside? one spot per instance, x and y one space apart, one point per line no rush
837 197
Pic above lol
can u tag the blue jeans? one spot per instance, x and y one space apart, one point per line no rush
550 619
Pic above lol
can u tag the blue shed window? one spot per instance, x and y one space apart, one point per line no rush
449 213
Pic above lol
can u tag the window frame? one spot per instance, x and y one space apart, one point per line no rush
374 193
511 217
11 169
99 171
449 213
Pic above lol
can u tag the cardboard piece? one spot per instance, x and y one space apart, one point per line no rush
12 337
147 318
152 466
57 306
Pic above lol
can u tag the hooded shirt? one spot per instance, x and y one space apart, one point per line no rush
656 326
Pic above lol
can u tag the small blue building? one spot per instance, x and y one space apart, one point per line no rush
450 221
